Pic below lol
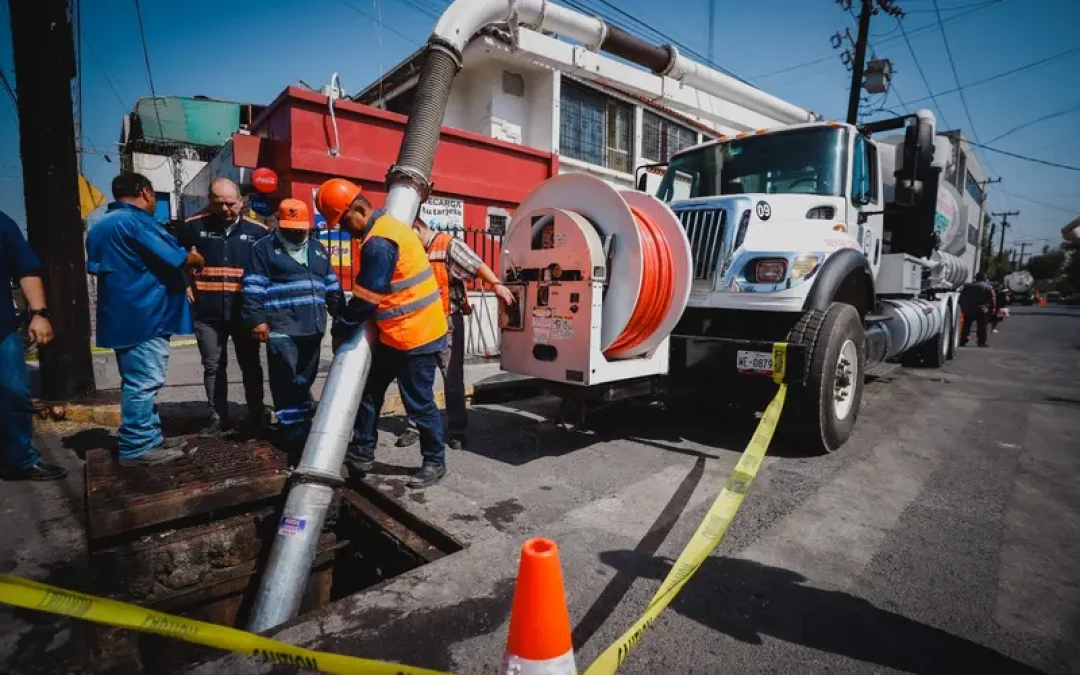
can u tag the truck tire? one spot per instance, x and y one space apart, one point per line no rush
820 414
934 352
954 332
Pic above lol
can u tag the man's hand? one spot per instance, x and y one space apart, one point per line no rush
261 332
40 330
194 259
504 294
190 295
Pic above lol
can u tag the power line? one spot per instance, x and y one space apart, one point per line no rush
1007 73
956 77
647 30
108 80
1025 125
918 66
398 33
913 31
1071 212
149 73
1024 157
8 88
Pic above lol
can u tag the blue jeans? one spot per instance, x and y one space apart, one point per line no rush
415 374
293 363
142 374
16 413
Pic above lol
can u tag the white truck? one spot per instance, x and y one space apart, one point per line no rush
820 235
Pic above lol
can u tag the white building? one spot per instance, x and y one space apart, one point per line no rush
170 139
600 115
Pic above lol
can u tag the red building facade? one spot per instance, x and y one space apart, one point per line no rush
478 181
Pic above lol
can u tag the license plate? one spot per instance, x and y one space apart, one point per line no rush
754 362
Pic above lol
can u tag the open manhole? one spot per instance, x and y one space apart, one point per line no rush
205 563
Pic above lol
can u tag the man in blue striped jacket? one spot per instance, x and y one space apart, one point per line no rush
288 289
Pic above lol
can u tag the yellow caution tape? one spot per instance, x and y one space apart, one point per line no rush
711 529
32 595
41 597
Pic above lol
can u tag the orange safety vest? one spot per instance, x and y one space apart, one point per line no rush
438 255
409 316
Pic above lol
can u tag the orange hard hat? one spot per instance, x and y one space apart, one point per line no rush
334 198
293 215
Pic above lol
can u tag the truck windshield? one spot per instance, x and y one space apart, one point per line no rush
800 161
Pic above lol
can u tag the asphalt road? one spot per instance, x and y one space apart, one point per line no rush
943 538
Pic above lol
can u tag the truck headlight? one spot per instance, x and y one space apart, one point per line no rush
804 265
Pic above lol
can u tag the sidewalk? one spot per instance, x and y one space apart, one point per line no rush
182 401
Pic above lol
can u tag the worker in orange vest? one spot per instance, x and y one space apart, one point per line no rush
396 288
454 264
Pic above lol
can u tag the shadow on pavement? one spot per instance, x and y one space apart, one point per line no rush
520 438
747 601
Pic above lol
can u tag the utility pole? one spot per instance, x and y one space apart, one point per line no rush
51 188
1004 226
1017 264
867 8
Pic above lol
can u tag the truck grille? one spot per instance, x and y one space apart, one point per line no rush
705 230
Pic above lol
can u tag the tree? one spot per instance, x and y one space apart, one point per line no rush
1049 265
1000 265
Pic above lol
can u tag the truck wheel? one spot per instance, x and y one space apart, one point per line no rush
822 411
934 353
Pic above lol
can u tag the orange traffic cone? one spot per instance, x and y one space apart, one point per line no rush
539 641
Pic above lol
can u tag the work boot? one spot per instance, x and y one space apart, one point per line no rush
215 428
456 443
429 474
160 454
358 467
41 471
983 344
407 438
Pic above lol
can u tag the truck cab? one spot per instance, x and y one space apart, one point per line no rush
765 213
820 236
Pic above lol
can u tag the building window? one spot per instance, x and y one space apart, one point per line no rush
497 225
973 235
595 128
661 138
974 189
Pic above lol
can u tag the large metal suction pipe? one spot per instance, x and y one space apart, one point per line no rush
313 483
410 182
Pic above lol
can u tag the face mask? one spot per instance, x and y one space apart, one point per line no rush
294 238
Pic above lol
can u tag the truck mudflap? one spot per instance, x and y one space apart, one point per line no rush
698 360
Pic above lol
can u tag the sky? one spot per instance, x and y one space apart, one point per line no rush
250 52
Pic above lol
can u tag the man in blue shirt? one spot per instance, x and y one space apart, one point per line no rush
142 302
18 459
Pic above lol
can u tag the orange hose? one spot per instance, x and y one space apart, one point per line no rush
657 287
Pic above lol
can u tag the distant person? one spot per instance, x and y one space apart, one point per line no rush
454 264
18 264
397 291
225 239
977 304
142 302
1001 303
289 287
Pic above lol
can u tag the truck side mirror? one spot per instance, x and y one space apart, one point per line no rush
642 181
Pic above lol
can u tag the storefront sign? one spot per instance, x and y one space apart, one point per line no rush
443 213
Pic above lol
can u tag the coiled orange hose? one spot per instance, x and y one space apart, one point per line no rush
657 287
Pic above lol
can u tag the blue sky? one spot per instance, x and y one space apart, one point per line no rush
250 51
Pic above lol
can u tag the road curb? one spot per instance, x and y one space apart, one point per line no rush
193 413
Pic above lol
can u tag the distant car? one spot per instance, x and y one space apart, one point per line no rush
1053 296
